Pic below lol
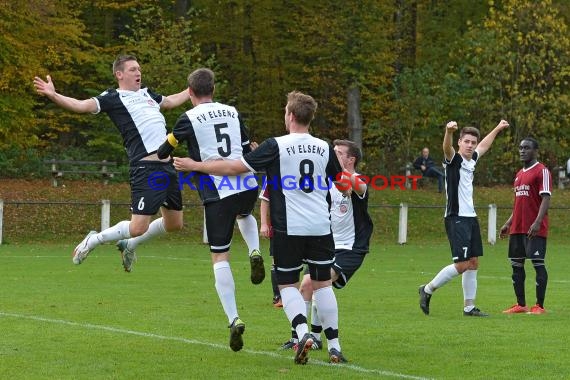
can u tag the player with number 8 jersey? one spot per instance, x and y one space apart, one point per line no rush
300 169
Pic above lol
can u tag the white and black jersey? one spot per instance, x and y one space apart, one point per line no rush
459 174
215 131
299 170
351 223
137 116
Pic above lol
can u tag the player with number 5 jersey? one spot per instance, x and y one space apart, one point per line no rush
215 131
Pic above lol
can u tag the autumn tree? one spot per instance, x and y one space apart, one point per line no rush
26 52
518 67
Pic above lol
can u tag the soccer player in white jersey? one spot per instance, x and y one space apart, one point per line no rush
528 226
215 131
461 222
299 170
135 111
351 227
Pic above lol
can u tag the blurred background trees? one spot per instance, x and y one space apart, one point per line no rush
388 74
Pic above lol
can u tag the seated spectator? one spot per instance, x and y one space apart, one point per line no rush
427 166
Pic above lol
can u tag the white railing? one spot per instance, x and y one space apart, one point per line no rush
402 220
403 224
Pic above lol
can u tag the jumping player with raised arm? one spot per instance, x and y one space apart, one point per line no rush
135 111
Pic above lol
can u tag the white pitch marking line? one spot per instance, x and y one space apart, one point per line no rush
193 341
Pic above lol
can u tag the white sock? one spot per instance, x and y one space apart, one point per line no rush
156 228
469 282
307 308
293 305
226 289
117 232
315 321
328 312
315 314
248 228
443 277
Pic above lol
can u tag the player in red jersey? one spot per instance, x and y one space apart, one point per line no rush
528 226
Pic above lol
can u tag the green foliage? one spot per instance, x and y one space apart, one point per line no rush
36 38
17 162
416 66
265 55
519 70
166 47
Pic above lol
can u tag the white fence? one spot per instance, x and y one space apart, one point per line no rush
402 223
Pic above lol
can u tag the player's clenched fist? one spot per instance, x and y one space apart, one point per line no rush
503 124
452 126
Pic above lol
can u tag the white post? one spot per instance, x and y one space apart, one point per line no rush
1 217
403 224
492 230
105 214
205 232
408 174
561 177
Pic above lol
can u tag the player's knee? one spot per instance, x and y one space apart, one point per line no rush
137 229
473 263
173 226
306 287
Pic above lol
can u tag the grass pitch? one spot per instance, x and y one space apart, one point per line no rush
164 320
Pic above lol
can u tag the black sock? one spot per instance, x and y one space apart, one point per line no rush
541 281
518 277
316 330
274 282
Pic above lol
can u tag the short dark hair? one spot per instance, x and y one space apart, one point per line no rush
353 149
302 106
201 82
470 131
119 64
532 141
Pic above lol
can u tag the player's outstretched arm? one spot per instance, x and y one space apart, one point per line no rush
175 100
47 89
448 150
486 143
215 167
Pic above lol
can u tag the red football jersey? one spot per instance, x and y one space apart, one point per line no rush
530 184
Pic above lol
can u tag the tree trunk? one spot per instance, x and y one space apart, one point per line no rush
354 118
406 21
181 8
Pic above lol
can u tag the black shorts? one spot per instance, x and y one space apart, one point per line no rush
221 218
291 252
521 247
346 263
154 184
464 237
